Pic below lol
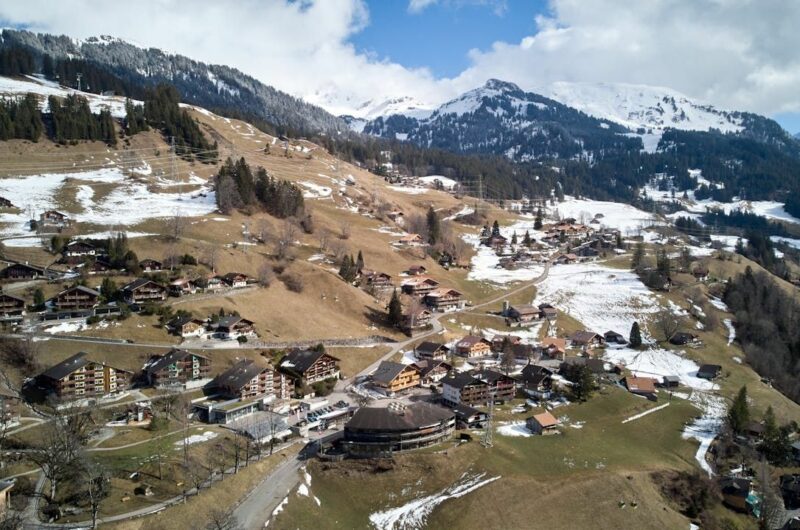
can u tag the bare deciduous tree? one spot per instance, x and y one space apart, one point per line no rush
266 275
324 236
210 257
176 225
286 239
222 520
667 323
345 230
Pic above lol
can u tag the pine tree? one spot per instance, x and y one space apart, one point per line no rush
537 223
739 413
635 338
495 229
514 238
347 269
776 445
434 228
359 262
526 239
395 311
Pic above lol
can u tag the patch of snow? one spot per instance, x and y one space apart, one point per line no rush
66 327
315 191
514 429
197 438
623 217
414 514
731 330
645 413
411 190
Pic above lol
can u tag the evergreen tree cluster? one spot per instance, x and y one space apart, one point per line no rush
95 79
16 61
768 328
72 119
135 120
21 119
238 188
350 268
163 112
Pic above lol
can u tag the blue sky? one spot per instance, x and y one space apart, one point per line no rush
440 36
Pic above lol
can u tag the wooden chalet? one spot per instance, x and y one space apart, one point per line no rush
464 389
395 377
177 368
99 266
233 327
709 371
683 338
181 287
642 386
186 326
11 307
414 320
536 381
149 265
502 387
431 350
473 346
245 380
524 314
612 337
237 280
375 280
214 283
22 271
310 366
432 372
498 341
417 270
587 339
78 252
144 290
79 377
77 297
444 299
548 312
418 285
54 219
543 424
554 347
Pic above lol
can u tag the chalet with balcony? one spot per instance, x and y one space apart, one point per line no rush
536 381
310 366
444 299
177 368
181 287
375 280
22 272
237 280
464 389
76 298
418 285
414 320
395 377
52 219
11 307
214 283
186 326
245 380
143 291
501 387
431 350
79 377
473 346
548 312
149 265
233 327
78 252
99 266
554 347
432 372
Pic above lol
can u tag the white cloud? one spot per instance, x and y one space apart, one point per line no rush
499 7
740 54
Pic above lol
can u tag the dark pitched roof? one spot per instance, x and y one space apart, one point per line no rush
387 371
414 416
430 348
161 361
709 370
534 375
465 411
229 321
181 320
491 376
426 366
461 380
238 375
301 360
139 282
739 487
81 288
67 366
584 336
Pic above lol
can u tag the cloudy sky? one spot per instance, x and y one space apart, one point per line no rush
737 54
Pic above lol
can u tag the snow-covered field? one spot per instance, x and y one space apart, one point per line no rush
514 429
624 217
600 297
315 191
129 203
447 183
484 264
42 87
414 514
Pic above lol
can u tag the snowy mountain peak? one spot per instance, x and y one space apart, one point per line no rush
642 107
501 86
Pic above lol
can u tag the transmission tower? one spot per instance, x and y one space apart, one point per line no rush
488 433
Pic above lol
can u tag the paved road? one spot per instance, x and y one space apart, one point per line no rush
256 509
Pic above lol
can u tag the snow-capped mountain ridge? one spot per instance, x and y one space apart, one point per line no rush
642 106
